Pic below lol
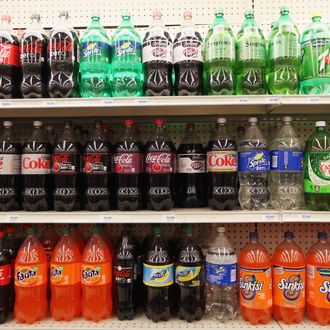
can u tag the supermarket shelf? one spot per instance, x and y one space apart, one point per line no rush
305 325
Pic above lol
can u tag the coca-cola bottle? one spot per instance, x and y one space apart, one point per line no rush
35 68
36 170
10 68
128 168
160 156
222 169
10 169
190 183
67 171
97 167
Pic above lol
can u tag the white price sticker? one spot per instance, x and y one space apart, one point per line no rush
243 100
314 99
269 217
141 100
106 217
6 104
107 102
306 217
49 103
168 218
273 99
12 217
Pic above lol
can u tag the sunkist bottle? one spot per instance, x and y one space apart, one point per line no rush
289 272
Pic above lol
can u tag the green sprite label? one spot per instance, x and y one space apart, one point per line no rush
220 47
284 45
251 48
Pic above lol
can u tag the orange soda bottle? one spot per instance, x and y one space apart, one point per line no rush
30 280
65 284
289 273
96 279
106 237
318 280
77 237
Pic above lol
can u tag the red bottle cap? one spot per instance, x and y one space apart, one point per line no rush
2 234
10 230
105 127
190 126
128 122
159 121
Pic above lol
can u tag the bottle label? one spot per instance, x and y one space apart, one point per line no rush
221 47
158 276
317 172
289 286
318 286
97 163
36 164
9 54
285 45
222 161
128 163
10 164
61 48
188 50
160 162
31 275
5 274
32 50
251 48
255 287
124 275
123 48
96 274
254 161
287 160
157 50
64 274
95 51
218 274
191 163
188 276
66 163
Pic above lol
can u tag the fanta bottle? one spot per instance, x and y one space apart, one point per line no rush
65 285
96 279
318 282
255 281
289 272
106 237
30 281
77 237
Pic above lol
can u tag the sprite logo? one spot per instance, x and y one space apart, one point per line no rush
258 160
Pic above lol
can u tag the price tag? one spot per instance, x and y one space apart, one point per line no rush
168 218
269 217
106 217
243 100
141 100
314 99
6 104
12 217
108 102
306 217
49 103
273 99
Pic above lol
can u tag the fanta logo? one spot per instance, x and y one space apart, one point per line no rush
27 276
249 287
56 273
291 287
325 168
91 274
257 160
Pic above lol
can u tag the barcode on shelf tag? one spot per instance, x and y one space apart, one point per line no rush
168 217
243 100
12 217
269 217
314 99
273 99
306 217
6 104
107 101
106 217
49 103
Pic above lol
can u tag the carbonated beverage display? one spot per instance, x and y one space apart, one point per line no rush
96 279
315 64
126 56
77 237
284 56
30 281
219 58
157 58
317 291
253 169
63 59
188 59
94 60
33 49
221 279
65 303
286 171
10 68
317 169
255 282
289 272
222 169
10 169
251 58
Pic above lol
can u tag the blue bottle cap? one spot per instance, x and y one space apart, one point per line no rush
288 234
253 235
322 235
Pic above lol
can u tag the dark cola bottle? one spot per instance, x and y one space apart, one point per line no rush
97 167
222 178
157 58
10 169
63 59
10 68
36 170
34 62
160 154
67 171
128 168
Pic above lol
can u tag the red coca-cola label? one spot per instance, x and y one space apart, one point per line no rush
9 54
128 163
5 274
160 162
33 47
97 163
123 275
36 163
56 45
222 161
66 163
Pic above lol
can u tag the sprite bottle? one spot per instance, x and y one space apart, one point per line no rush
315 68
95 60
284 56
219 58
126 64
317 169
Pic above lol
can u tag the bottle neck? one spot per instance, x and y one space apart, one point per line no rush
219 20
38 134
316 19
320 129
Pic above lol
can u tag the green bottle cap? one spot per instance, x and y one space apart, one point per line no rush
95 16
219 12
189 229
249 13
96 230
157 230
284 10
126 15
66 230
31 231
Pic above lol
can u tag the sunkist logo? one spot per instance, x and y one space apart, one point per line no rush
27 275
91 274
292 287
325 289
250 286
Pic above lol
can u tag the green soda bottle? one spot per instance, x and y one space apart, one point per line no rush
317 169
269 44
315 67
126 64
95 60
284 56
219 58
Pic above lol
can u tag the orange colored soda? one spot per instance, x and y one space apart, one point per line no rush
30 281
318 280
65 284
289 281
106 237
255 280
96 279
77 237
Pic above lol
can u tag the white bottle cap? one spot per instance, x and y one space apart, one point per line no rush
287 119
7 123
253 120
221 229
37 123
320 123
221 120
49 127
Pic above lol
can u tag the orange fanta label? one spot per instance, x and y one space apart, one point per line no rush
289 286
255 287
30 275
64 274
96 274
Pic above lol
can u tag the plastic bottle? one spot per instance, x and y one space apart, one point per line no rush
289 272
219 58
253 168
286 171
65 303
255 277
318 288
51 135
77 237
126 57
221 279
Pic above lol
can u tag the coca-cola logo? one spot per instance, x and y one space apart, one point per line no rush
163 158
4 51
122 273
60 45
190 52
222 160
159 52
34 47
42 162
93 158
124 159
